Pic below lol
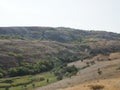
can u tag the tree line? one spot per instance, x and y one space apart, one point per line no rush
28 69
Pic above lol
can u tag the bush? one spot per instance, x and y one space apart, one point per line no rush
4 85
33 85
99 71
8 81
37 79
66 71
28 69
6 88
1 75
2 72
59 77
18 71
96 87
21 81
12 71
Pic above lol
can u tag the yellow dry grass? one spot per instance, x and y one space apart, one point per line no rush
109 84
114 55
85 78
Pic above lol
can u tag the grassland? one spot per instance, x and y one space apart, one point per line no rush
27 82
107 84
89 77
25 52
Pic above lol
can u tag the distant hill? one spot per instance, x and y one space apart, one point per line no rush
60 34
28 48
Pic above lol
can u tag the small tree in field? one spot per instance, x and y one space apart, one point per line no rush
6 88
33 85
99 71
59 77
47 80
25 86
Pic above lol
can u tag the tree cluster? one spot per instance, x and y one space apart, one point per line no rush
28 69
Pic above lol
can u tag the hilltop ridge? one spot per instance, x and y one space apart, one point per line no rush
60 34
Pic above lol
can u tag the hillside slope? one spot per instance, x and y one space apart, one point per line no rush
89 76
26 48
36 50
107 84
60 34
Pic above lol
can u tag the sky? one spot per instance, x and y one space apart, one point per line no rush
80 14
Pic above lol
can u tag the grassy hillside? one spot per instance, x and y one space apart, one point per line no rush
59 34
88 77
13 52
33 50
22 45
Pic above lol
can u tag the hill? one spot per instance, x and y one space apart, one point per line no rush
60 45
88 78
36 50
59 34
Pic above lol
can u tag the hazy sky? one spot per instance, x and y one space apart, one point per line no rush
81 14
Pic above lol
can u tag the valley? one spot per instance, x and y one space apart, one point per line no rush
47 58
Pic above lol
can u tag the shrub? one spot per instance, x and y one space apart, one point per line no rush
99 71
12 71
1 75
59 77
96 87
6 88
8 81
33 85
66 71
37 79
4 85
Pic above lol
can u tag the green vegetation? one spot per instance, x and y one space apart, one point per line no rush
99 71
105 50
12 37
34 80
96 87
2 72
35 56
65 71
59 34
27 68
29 81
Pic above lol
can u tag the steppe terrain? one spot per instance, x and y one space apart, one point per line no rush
88 77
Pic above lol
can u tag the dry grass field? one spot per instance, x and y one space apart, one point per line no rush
107 84
89 79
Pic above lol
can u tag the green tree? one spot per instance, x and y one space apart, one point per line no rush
1 75
33 85
12 71
99 71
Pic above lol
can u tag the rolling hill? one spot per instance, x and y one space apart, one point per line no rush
33 50
59 34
